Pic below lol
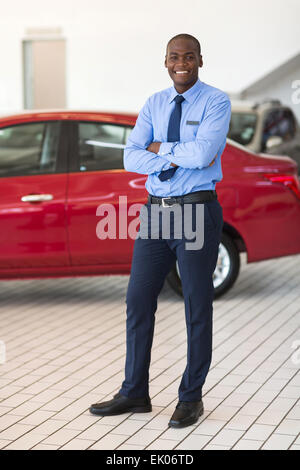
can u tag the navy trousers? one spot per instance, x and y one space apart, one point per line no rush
152 261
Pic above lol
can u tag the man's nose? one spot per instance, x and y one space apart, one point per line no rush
181 61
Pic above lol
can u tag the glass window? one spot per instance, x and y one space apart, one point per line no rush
29 149
128 131
242 127
281 123
101 146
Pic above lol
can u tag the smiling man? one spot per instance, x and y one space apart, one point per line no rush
178 141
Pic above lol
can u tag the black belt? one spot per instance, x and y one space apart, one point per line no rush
198 196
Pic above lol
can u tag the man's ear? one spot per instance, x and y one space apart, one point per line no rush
166 61
201 61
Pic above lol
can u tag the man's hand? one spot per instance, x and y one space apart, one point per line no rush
154 147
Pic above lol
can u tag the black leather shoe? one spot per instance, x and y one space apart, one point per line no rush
186 413
121 404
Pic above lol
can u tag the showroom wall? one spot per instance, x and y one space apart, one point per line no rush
285 88
115 50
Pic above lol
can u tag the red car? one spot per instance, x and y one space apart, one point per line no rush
56 168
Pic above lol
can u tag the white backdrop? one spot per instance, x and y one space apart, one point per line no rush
115 50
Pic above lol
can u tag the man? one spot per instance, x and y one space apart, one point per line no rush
178 140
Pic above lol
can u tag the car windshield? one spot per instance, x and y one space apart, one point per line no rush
242 127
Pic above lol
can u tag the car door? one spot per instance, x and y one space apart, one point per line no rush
33 186
101 191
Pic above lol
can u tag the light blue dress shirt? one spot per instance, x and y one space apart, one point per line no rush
204 126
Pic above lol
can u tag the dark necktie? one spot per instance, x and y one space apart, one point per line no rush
173 134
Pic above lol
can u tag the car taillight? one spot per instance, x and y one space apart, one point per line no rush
291 181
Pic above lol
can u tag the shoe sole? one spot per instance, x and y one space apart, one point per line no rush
137 409
175 424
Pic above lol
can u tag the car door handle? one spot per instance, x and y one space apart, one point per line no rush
37 198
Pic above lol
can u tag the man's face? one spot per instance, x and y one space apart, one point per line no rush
183 61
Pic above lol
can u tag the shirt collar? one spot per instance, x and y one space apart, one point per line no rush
190 95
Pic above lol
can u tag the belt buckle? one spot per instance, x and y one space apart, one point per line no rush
164 204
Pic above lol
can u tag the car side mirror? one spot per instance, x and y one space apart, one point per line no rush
273 141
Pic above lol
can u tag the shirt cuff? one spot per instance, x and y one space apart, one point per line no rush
166 148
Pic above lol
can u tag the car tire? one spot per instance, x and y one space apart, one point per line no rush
226 272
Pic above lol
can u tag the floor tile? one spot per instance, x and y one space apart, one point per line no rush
72 354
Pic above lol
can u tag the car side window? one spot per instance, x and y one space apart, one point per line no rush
29 149
128 131
281 123
101 146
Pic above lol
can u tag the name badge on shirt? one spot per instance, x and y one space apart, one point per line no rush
193 123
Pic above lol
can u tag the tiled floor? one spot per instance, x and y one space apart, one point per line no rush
65 342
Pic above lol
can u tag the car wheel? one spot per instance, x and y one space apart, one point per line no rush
225 274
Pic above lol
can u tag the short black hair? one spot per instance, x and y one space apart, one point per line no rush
186 36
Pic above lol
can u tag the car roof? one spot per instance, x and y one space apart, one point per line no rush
68 114
252 106
242 105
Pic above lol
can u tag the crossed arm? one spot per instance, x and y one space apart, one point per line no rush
141 153
155 146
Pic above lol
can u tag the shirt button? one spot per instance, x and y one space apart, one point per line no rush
169 180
